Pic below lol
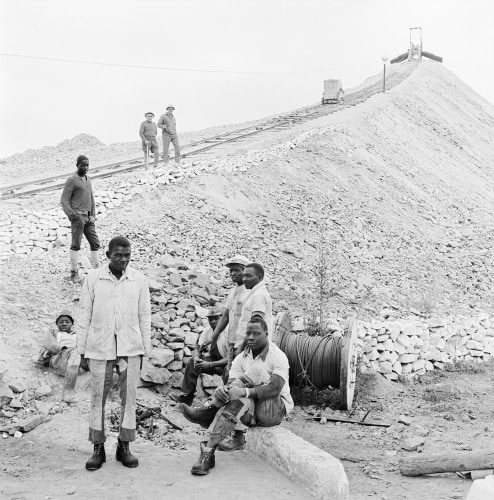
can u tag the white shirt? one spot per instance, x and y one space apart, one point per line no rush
234 306
273 361
67 339
256 299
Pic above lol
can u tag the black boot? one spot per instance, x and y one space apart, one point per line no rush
182 398
125 456
233 442
98 458
205 462
202 416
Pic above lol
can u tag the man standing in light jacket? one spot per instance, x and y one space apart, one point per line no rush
168 124
114 330
78 204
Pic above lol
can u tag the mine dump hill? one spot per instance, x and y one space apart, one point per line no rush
398 190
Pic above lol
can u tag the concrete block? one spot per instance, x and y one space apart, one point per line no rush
315 470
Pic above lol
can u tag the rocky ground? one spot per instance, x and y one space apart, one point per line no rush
398 192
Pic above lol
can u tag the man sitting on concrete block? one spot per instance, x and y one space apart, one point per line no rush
257 393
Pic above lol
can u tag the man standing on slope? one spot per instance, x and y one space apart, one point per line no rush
148 132
233 308
168 124
78 204
114 330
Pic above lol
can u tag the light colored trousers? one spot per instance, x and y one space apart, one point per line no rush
166 145
129 368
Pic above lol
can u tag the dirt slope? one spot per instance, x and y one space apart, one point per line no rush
401 186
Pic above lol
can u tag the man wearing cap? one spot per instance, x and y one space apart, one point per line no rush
61 353
148 133
78 204
168 125
233 308
205 358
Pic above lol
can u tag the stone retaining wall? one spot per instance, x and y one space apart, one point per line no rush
407 348
30 231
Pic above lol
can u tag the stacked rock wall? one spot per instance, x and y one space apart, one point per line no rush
179 309
29 231
400 349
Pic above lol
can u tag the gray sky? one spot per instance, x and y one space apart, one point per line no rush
283 50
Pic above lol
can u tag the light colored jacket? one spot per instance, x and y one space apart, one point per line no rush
114 316
168 124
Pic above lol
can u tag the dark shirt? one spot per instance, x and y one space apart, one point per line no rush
77 196
148 130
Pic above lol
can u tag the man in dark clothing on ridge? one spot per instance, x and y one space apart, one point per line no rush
78 204
148 132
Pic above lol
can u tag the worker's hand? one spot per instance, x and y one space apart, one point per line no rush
84 363
236 393
146 143
221 395
92 219
74 216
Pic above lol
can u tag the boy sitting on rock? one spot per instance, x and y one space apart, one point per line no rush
61 353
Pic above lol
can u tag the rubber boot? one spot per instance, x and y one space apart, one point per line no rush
74 270
125 456
234 442
98 458
206 461
69 395
94 259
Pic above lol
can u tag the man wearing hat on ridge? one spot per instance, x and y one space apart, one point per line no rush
205 359
233 307
168 125
148 133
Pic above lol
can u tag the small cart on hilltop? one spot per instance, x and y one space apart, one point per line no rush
333 92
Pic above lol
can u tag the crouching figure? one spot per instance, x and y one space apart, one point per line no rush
60 354
257 393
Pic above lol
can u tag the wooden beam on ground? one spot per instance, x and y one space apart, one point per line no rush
348 420
447 462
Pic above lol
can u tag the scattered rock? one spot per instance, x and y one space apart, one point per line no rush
412 443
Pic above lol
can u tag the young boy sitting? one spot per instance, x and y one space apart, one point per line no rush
61 353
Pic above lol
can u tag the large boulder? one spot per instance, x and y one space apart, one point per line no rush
160 357
153 374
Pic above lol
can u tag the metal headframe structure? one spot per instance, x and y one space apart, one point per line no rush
415 51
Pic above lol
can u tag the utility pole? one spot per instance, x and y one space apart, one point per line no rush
384 59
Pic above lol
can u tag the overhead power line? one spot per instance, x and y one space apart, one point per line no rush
193 70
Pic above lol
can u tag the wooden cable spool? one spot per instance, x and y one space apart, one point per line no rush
339 352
